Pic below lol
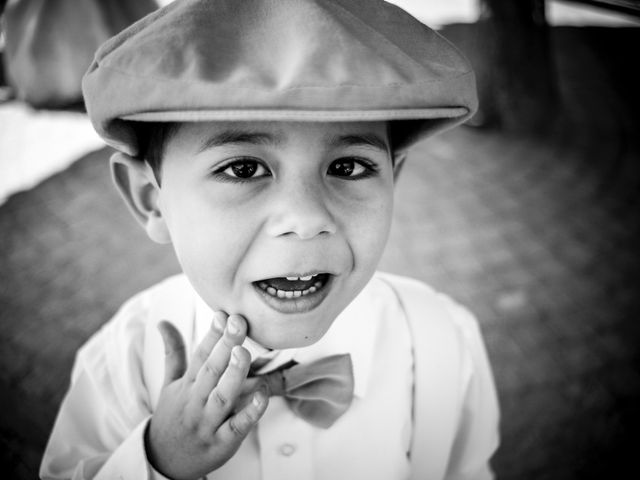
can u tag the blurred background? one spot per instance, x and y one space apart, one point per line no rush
528 215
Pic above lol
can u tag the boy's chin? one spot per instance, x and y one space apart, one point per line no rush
277 331
272 339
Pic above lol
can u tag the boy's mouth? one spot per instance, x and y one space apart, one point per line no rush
294 287
294 294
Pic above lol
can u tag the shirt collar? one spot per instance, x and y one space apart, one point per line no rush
354 332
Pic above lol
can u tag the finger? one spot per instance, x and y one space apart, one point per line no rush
236 428
223 398
216 364
175 361
248 388
209 341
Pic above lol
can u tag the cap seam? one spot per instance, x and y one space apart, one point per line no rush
384 37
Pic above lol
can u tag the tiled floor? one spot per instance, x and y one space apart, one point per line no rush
538 237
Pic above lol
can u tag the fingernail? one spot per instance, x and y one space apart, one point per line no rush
218 321
233 325
264 389
258 398
235 357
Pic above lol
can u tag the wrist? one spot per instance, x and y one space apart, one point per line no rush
152 457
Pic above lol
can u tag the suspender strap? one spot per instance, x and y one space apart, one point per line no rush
437 392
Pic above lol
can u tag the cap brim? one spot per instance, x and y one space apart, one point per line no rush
298 115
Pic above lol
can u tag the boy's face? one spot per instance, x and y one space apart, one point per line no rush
248 204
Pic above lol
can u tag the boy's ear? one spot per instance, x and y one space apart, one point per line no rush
138 187
398 163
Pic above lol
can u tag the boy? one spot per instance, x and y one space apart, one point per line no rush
261 139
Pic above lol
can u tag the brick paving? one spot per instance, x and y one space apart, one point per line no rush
538 237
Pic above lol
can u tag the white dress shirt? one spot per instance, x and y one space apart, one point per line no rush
118 376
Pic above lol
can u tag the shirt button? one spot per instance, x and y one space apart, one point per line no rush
287 449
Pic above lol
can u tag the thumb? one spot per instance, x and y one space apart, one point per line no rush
174 350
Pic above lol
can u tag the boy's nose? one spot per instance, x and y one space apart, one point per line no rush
302 211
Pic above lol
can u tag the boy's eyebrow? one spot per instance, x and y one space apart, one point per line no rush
360 139
241 136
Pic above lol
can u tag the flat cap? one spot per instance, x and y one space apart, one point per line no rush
275 60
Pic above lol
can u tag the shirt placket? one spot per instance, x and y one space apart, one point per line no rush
285 443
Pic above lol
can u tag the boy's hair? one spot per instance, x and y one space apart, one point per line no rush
152 141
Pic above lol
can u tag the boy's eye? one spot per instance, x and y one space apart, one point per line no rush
351 168
242 170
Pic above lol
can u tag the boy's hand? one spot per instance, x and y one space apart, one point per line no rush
195 429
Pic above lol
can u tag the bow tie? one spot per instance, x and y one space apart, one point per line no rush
318 392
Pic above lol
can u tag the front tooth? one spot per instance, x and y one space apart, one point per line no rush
292 279
307 278
281 293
